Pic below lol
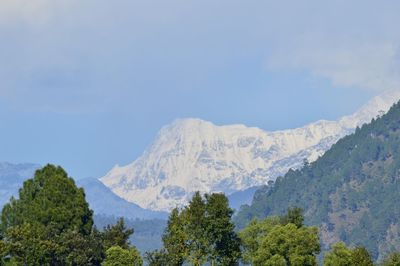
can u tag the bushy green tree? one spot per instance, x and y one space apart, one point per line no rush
252 236
28 245
361 257
224 243
294 215
118 256
50 223
51 199
158 258
202 232
298 246
276 241
78 249
392 259
341 255
175 238
116 235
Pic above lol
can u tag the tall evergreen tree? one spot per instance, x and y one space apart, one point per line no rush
50 223
51 199
224 242
202 232
175 238
195 217
116 235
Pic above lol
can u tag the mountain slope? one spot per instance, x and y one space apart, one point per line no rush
101 199
104 202
194 155
351 192
12 176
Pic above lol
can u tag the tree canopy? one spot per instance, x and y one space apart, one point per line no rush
201 232
50 223
279 241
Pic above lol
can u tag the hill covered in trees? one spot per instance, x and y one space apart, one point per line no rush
351 193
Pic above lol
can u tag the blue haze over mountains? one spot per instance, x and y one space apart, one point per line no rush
101 199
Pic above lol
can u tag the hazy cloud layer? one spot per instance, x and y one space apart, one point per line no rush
76 54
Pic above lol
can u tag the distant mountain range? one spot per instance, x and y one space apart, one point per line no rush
104 202
101 199
194 155
351 193
11 178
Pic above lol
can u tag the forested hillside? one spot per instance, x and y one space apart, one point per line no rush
352 192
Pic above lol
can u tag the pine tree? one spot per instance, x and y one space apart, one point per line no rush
198 243
50 223
175 238
223 240
116 235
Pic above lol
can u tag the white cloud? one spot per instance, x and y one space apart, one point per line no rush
352 43
33 12
97 49
372 66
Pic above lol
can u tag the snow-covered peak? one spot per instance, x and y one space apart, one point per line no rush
377 106
195 155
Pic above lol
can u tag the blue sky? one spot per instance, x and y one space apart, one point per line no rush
87 84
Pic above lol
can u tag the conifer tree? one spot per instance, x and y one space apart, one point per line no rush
116 235
195 217
224 242
175 238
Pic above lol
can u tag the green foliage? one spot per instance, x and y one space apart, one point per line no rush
196 224
158 258
275 241
295 216
361 257
118 256
116 235
224 243
341 255
392 259
298 246
148 233
202 232
78 249
351 192
253 235
27 244
51 199
51 224
175 239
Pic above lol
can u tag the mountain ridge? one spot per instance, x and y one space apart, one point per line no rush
351 192
193 154
100 198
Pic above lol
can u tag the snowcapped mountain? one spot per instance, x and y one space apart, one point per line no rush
194 155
